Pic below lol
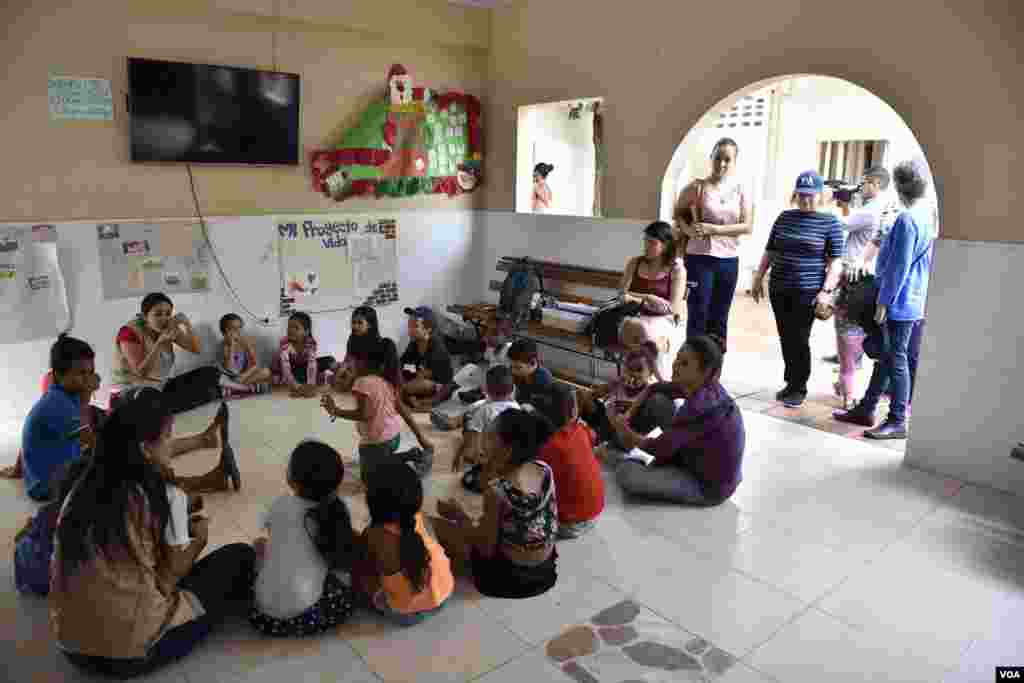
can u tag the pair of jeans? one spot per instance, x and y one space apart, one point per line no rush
222 581
669 483
712 283
892 371
794 317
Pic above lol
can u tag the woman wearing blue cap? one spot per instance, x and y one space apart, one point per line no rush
804 253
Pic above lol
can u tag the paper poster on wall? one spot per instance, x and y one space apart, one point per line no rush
136 258
84 99
337 262
33 300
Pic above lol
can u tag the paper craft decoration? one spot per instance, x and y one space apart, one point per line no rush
88 99
33 299
414 141
136 258
337 262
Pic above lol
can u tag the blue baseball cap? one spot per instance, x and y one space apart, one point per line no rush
421 313
809 182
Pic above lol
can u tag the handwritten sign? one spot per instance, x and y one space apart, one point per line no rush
83 99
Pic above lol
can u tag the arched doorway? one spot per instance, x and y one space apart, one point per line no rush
786 125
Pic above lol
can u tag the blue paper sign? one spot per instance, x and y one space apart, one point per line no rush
84 99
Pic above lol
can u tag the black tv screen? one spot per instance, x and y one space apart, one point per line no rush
212 114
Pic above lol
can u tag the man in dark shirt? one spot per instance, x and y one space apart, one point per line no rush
426 365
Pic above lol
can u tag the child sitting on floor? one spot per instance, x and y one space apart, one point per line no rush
527 372
600 403
296 364
91 418
569 453
238 359
499 389
364 338
403 571
426 363
379 412
296 593
53 434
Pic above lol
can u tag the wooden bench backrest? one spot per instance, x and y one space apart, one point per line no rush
559 277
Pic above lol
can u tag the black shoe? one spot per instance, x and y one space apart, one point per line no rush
794 399
834 359
228 460
471 396
783 393
857 416
887 431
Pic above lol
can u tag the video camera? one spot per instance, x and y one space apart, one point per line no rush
843 192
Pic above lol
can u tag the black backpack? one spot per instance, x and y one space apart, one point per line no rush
521 283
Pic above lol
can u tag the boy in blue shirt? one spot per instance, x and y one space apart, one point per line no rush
51 437
529 376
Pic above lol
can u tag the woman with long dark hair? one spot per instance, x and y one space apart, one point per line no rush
362 341
127 595
512 548
655 281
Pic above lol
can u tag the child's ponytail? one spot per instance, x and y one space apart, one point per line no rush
332 532
413 553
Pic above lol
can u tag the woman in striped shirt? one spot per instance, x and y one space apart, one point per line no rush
804 253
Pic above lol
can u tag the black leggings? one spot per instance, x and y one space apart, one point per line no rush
657 411
323 364
222 581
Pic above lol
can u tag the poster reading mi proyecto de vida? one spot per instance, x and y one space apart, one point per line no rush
33 299
337 262
137 258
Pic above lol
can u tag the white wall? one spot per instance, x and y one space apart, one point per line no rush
547 134
434 251
968 402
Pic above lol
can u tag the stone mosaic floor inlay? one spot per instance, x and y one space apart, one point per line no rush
628 644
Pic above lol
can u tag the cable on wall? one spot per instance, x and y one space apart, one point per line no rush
209 244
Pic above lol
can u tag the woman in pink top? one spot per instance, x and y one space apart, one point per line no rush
723 215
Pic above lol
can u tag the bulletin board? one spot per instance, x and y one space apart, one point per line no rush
337 262
136 258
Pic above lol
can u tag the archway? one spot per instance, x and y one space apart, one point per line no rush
785 125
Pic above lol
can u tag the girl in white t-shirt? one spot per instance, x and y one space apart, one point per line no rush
296 593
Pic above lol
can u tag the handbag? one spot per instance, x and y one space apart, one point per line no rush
695 214
603 327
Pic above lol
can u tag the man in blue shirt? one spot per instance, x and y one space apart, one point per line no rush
904 265
50 438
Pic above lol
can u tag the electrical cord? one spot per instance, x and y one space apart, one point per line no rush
213 252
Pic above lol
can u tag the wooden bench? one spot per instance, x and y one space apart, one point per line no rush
562 282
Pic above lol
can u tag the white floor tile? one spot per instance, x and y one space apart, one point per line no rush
816 647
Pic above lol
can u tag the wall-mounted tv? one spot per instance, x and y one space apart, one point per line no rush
212 114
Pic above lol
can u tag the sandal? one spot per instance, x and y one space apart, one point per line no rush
228 460
440 421
471 479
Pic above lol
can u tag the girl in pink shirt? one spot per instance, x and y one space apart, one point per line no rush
296 364
722 214
379 412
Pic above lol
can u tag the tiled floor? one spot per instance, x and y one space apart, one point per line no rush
832 562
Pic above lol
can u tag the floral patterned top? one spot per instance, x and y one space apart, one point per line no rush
527 521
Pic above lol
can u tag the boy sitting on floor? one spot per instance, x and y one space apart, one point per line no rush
499 389
426 365
530 378
54 432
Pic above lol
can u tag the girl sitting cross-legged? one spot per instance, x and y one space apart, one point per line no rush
296 593
511 549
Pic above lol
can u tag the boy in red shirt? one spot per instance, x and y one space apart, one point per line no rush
579 487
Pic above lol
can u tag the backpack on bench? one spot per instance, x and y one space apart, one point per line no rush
520 285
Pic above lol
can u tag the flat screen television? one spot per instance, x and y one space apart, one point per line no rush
212 114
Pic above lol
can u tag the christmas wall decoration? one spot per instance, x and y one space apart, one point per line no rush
413 141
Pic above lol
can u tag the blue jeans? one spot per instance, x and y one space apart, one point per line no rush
892 371
713 284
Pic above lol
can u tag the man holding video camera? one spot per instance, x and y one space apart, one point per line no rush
865 227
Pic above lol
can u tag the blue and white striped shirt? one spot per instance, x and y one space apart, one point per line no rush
803 242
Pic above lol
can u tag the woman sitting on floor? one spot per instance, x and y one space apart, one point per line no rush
127 595
512 548
697 460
